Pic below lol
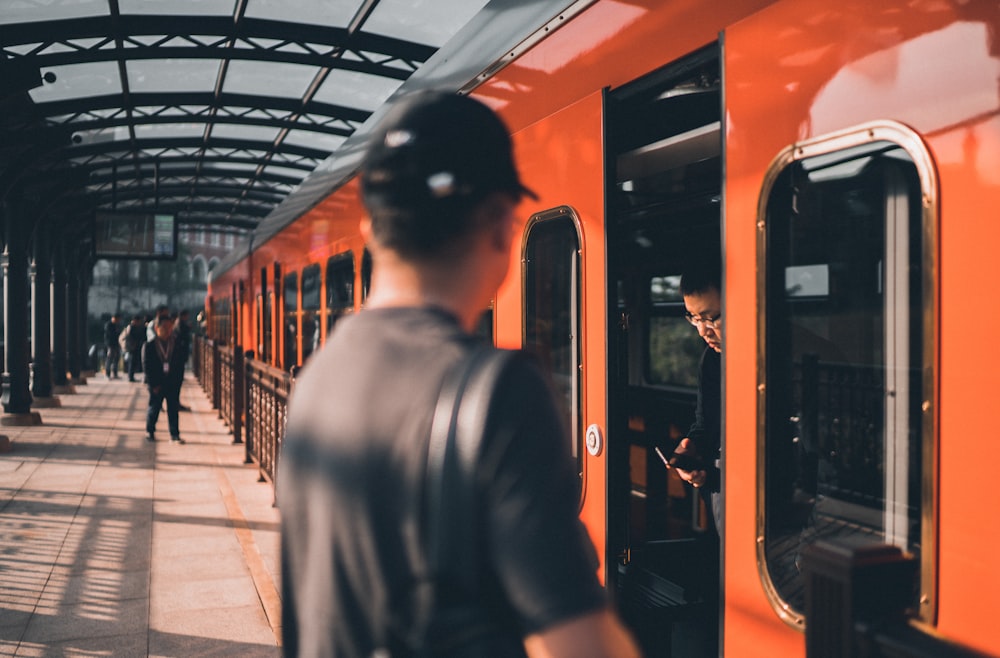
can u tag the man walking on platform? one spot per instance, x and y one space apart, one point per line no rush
111 331
162 361
132 338
359 531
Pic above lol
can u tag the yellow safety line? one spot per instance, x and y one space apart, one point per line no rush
266 589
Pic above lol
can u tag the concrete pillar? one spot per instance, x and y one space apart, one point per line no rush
73 355
83 274
16 396
41 307
60 383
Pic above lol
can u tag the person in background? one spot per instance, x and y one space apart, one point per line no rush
700 289
441 189
162 362
111 331
132 338
182 329
151 322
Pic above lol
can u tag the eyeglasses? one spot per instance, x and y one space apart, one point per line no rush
708 323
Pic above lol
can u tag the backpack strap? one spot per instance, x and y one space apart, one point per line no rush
456 438
443 614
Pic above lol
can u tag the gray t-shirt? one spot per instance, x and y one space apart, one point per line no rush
354 459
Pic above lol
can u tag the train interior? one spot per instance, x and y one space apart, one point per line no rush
664 213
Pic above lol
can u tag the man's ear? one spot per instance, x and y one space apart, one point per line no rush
501 222
365 226
503 234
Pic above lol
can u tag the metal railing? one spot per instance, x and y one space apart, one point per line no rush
230 390
267 391
251 397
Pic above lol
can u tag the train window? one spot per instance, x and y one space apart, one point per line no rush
846 391
552 307
221 320
265 304
310 310
339 287
290 297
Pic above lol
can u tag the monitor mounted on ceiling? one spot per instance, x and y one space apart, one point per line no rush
123 235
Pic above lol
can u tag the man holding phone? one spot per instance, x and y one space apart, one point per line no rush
696 457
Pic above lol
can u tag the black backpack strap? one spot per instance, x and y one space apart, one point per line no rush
447 514
452 455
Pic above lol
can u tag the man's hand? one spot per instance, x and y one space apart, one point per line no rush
694 478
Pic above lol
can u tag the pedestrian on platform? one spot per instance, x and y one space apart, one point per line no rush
162 362
131 340
113 351
182 330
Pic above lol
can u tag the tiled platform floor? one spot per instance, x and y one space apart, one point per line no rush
113 546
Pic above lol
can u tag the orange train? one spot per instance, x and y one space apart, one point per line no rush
844 161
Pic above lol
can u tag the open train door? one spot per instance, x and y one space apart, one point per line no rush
664 164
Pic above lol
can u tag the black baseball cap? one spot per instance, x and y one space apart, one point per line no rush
434 146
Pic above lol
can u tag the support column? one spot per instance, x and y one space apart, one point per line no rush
16 396
73 356
60 383
83 274
41 336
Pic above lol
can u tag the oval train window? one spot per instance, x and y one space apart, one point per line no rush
846 431
551 324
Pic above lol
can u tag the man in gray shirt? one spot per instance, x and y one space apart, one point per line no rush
441 189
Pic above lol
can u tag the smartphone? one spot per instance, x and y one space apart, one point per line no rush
686 462
682 461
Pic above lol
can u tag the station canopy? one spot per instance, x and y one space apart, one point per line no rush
224 113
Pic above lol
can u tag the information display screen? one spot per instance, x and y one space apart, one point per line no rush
135 235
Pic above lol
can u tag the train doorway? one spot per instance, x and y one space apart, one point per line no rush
664 138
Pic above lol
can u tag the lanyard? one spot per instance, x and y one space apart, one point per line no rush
165 348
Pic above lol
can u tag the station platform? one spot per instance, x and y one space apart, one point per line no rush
114 546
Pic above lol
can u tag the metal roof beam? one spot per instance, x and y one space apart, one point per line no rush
150 174
208 36
167 190
167 100
169 165
199 206
196 142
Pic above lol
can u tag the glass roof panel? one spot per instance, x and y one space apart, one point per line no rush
312 139
175 199
237 131
176 7
353 89
430 22
27 11
235 166
79 81
239 153
155 130
274 170
175 165
268 78
170 75
336 13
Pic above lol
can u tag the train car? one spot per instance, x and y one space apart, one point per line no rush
843 163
